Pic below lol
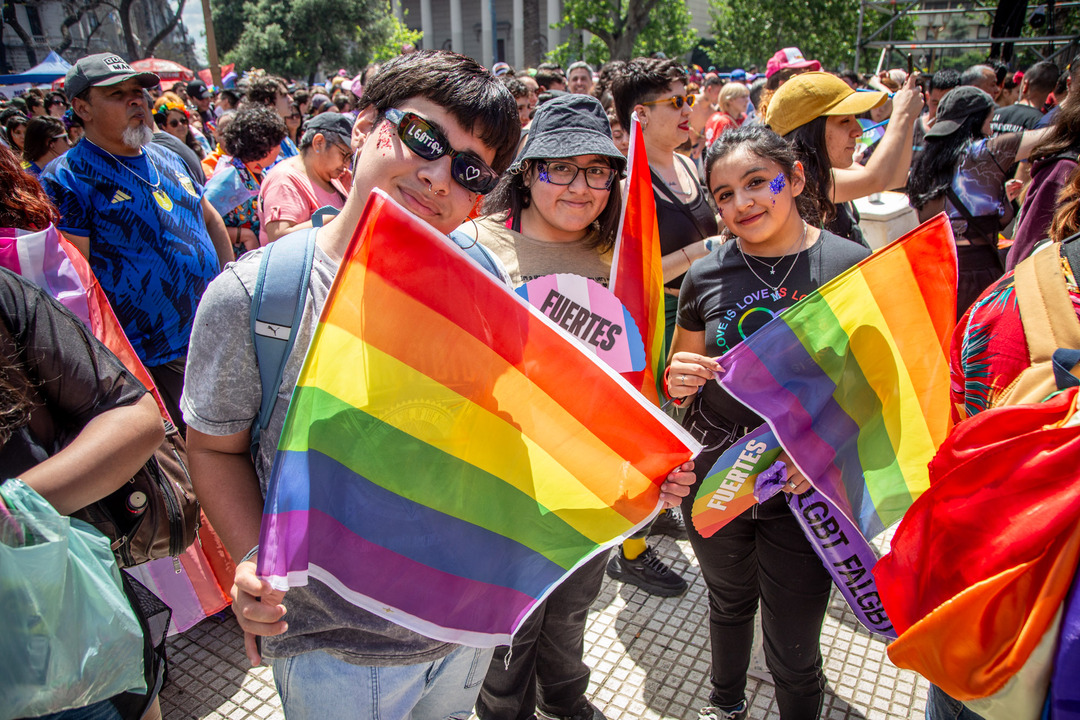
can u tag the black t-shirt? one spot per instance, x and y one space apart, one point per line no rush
73 376
724 297
1015 118
677 230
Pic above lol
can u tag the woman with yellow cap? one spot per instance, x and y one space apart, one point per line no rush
815 112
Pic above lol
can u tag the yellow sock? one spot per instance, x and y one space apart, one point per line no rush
633 547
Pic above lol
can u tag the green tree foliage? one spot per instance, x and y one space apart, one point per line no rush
749 32
625 29
295 37
400 37
229 23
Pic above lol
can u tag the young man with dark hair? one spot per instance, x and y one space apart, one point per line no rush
332 659
131 207
1039 81
270 91
940 83
550 78
520 91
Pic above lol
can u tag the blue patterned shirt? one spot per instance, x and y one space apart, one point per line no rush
148 248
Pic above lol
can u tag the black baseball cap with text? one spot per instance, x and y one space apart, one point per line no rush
103 69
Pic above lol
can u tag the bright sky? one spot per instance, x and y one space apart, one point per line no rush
193 19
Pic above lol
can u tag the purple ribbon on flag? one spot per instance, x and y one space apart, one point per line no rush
846 554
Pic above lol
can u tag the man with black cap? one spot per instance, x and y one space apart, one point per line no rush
201 96
133 210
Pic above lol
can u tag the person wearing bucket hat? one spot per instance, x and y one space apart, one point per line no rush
963 172
816 112
555 211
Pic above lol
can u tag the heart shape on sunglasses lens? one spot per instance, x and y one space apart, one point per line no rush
427 141
676 100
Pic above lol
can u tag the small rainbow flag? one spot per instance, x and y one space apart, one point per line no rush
637 277
449 455
854 378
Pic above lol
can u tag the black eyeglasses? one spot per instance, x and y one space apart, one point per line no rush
421 137
676 100
559 172
174 123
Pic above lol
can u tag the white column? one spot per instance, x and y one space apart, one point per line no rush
554 15
457 36
519 34
427 26
486 30
399 13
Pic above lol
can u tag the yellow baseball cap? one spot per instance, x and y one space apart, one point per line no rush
808 96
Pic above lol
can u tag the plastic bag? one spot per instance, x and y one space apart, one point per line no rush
70 637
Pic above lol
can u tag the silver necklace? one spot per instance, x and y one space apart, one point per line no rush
772 267
121 163
794 262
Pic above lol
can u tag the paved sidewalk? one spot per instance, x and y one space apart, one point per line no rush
643 667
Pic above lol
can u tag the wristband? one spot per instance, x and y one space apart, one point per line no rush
250 554
677 402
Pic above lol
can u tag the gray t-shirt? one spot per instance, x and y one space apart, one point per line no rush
222 394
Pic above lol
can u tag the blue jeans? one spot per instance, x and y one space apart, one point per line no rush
318 686
942 706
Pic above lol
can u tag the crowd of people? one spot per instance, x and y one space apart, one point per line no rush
171 194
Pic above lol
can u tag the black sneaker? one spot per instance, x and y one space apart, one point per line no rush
648 572
587 712
670 523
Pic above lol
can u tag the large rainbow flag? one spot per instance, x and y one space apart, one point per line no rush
980 568
449 454
854 379
637 277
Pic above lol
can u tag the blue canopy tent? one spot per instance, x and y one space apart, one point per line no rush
53 68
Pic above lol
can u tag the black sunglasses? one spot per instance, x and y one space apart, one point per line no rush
424 139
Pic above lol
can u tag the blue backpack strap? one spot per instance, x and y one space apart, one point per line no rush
477 252
277 304
320 216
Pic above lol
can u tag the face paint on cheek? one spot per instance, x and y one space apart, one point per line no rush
778 183
384 137
542 174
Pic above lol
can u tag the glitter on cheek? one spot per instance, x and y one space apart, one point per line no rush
384 138
778 183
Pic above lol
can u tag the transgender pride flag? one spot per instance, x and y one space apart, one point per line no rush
449 454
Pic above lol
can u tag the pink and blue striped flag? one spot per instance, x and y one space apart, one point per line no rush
450 455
